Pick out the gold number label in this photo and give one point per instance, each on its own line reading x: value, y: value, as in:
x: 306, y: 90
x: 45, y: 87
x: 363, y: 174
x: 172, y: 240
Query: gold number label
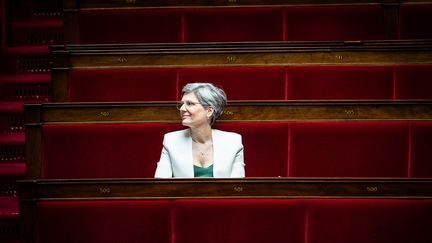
x: 372, y: 188
x: 231, y: 58
x: 350, y: 112
x: 104, y: 113
x: 122, y: 60
x: 104, y: 190
x: 228, y: 113
x: 339, y: 57
x: 238, y: 188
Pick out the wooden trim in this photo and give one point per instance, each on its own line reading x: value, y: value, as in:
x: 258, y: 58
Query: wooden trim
x: 28, y: 221
x: 236, y: 111
x: 96, y: 189
x: 33, y: 133
x: 71, y: 25
x: 242, y: 54
x: 60, y: 77
x: 33, y: 151
x: 89, y: 4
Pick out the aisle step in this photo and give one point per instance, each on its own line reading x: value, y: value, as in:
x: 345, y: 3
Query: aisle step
x: 37, y: 31
x: 26, y: 87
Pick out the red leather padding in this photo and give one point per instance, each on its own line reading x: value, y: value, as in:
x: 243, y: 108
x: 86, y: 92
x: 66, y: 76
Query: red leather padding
x: 340, y: 82
x: 414, y: 21
x: 103, y: 221
x: 233, y: 24
x: 265, y: 147
x: 234, y: 221
x: 413, y: 81
x: 368, y: 220
x: 129, y: 84
x: 101, y: 150
x: 348, y: 149
x: 118, y: 26
x: 421, y: 144
x: 240, y: 83
x: 334, y: 22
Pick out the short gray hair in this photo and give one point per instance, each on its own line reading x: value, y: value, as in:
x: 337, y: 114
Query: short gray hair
x: 209, y: 96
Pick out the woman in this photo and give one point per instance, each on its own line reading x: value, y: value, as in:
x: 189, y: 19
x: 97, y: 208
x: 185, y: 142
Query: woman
x: 201, y: 151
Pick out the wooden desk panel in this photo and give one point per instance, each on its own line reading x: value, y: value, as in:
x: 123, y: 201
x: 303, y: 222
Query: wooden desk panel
x: 236, y: 111
x: 31, y: 190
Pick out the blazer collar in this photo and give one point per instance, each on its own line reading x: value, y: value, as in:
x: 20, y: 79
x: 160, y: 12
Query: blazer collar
x: 216, y: 148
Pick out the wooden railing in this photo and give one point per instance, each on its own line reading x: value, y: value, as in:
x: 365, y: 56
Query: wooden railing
x: 236, y: 111
x: 191, y: 3
x: 33, y: 190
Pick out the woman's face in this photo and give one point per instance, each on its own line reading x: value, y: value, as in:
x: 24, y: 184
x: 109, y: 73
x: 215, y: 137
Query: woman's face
x: 192, y: 113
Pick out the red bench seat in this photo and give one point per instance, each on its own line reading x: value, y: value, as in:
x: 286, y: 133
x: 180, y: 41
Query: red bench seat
x: 294, y: 149
x: 235, y: 220
x: 328, y: 82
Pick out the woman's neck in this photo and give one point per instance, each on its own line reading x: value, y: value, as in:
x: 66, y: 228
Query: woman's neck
x: 202, y: 134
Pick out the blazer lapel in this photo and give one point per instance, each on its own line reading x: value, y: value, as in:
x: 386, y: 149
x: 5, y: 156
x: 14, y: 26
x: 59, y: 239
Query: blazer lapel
x: 217, y: 153
x: 189, y: 156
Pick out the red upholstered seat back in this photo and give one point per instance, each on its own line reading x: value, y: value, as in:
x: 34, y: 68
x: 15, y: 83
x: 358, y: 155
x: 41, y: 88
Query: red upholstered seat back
x: 236, y: 24
x: 325, y: 82
x: 235, y: 220
x: 104, y: 221
x: 420, y: 149
x: 233, y: 24
x: 413, y: 81
x: 128, y: 84
x: 101, y: 150
x: 130, y: 26
x: 271, y: 149
x: 368, y: 220
x: 414, y: 21
x: 240, y: 83
x: 350, y: 149
x: 333, y: 22
x: 265, y: 147
x: 340, y: 82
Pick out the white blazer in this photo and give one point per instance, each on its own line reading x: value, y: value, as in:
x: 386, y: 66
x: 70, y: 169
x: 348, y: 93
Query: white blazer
x: 177, y: 161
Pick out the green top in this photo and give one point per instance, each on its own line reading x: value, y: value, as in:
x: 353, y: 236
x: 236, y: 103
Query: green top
x: 203, y: 172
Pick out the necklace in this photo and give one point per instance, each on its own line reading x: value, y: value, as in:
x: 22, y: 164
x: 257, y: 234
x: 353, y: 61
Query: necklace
x: 202, y: 153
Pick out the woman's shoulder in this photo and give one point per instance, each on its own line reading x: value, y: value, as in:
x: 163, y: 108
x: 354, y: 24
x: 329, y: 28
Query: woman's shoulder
x: 177, y: 134
x: 221, y: 133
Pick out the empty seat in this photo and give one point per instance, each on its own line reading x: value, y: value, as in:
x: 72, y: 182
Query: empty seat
x: 128, y: 84
x: 368, y: 220
x: 421, y: 157
x: 104, y: 221
x: 101, y: 150
x: 233, y: 24
x: 334, y: 22
x: 414, y: 21
x: 129, y: 26
x: 350, y: 149
x: 340, y: 82
x: 236, y: 221
x: 240, y: 83
x: 413, y: 81
x: 265, y: 147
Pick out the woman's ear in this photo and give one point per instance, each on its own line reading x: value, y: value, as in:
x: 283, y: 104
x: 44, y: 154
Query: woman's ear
x: 210, y: 111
